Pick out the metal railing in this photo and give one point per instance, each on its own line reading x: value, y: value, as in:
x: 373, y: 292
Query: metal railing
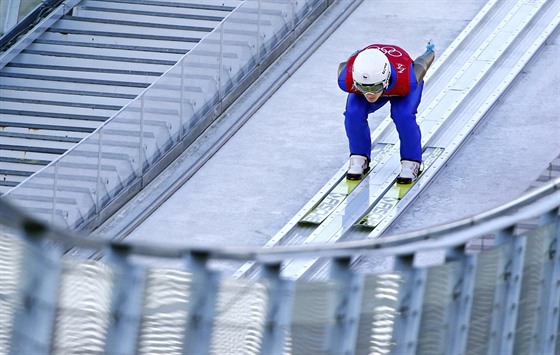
x: 17, y: 17
x: 503, y: 300
x: 13, y: 11
x: 90, y: 181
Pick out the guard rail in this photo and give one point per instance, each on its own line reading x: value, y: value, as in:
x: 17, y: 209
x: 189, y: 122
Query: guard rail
x: 503, y: 300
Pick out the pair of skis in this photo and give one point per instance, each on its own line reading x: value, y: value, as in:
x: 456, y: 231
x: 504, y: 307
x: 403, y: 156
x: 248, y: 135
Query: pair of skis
x: 385, y: 204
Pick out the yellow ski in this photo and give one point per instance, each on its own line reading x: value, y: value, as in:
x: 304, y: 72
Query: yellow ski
x: 395, y: 193
x: 344, y: 187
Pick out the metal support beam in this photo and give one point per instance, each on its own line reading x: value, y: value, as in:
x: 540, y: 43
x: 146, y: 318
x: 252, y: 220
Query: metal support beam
x: 506, y: 296
x: 280, y: 301
x: 549, y: 327
x: 35, y: 320
x: 514, y: 279
x: 203, y: 297
x: 407, y: 324
x: 462, y: 298
x: 126, y: 309
x: 344, y: 331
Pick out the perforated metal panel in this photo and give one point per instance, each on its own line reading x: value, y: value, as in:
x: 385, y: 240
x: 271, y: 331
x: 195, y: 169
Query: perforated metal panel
x: 164, y: 313
x: 311, y: 317
x: 83, y: 309
x: 240, y: 318
x: 434, y: 333
x: 488, y: 277
x: 378, y: 312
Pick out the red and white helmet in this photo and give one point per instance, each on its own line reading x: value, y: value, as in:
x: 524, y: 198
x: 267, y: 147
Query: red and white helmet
x: 371, y: 71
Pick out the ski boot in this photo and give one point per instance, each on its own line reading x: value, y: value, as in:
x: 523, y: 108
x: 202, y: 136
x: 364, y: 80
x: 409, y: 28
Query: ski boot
x: 359, y: 166
x: 409, y: 172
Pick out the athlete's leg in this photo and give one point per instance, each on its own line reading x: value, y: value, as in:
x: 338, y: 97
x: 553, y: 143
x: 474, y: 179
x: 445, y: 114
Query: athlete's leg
x: 403, y: 113
x: 356, y: 124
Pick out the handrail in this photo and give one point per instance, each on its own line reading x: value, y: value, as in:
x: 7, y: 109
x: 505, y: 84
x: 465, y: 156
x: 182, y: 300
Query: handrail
x: 30, y: 19
x: 446, y: 235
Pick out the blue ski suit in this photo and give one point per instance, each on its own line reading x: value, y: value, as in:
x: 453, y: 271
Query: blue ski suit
x: 404, y: 93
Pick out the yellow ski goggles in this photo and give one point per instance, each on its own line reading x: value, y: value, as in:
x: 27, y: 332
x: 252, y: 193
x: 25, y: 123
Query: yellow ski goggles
x: 369, y: 89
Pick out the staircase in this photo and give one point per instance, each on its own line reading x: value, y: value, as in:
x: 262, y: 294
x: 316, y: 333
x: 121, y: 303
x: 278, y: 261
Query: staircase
x: 84, y: 68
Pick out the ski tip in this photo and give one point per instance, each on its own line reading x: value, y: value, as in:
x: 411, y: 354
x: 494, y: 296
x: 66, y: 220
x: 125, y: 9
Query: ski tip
x: 430, y: 46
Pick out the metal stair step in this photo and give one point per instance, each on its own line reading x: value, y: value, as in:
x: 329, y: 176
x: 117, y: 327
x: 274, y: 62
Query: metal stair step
x: 124, y: 37
x: 71, y: 125
x: 34, y: 145
x: 113, y: 39
x: 103, y: 53
x: 99, y: 114
x: 125, y: 28
x: 9, y: 183
x: 78, y: 85
x: 33, y: 102
x: 19, y: 168
x: 13, y: 172
x: 26, y: 167
x: 47, y: 124
x: 129, y: 27
x: 36, y: 136
x: 78, y: 98
x: 46, y: 200
x: 43, y: 58
x: 109, y: 95
x: 42, y: 203
x: 114, y: 46
x: 207, y: 7
x: 8, y: 160
x: 51, y: 154
x: 13, y: 176
x: 143, y: 16
x: 7, y: 153
x: 5, y: 146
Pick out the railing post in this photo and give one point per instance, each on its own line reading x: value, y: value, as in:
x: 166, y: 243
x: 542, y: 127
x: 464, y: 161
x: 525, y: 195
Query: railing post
x: 343, y: 334
x: 462, y: 298
x: 127, y: 297
x: 506, y: 301
x: 221, y: 63
x: 549, y: 327
x: 34, y: 320
x: 141, y: 154
x: 407, y: 323
x: 259, y: 56
x: 181, y: 102
x: 55, y: 188
x: 279, y: 310
x: 293, y: 15
x: 202, y: 308
x: 98, y: 181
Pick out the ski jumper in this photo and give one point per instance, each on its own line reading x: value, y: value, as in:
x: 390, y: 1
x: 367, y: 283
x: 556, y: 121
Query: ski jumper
x: 404, y: 94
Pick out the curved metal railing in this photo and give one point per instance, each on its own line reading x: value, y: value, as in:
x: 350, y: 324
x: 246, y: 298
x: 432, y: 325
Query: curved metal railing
x: 14, y: 12
x: 434, y: 296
